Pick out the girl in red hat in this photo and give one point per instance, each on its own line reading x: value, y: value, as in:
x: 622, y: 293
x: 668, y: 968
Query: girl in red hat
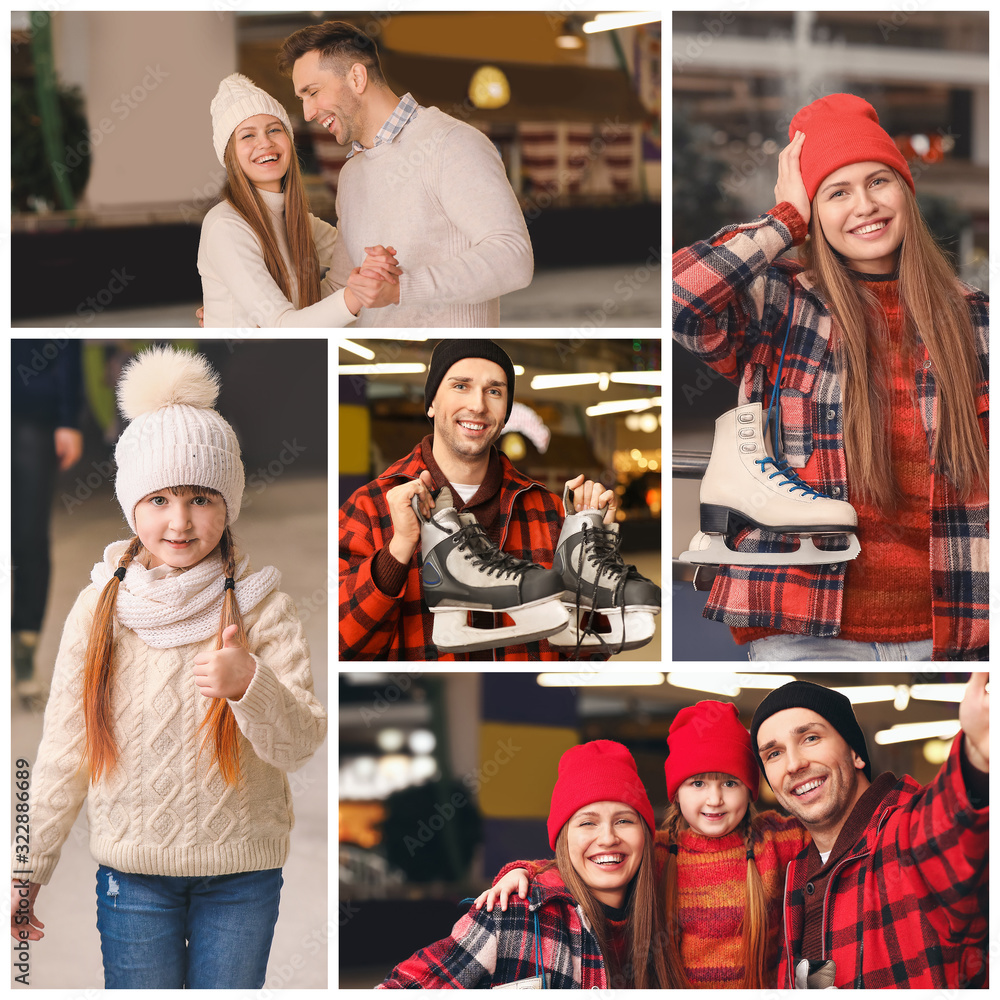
x: 591, y: 919
x: 879, y: 357
x: 721, y: 866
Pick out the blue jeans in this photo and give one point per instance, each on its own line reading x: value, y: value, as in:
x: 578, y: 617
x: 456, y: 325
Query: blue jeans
x: 167, y: 932
x: 809, y: 647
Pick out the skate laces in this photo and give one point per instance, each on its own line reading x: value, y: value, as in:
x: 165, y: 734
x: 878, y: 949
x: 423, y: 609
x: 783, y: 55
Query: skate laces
x: 472, y: 540
x: 602, y: 547
x: 791, y: 479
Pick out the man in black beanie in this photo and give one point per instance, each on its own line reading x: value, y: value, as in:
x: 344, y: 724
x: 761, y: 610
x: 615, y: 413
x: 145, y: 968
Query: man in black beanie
x: 468, y: 396
x: 892, y: 891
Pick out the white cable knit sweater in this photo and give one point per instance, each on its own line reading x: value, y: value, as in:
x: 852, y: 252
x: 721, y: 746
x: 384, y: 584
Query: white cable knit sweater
x: 237, y: 287
x: 163, y: 811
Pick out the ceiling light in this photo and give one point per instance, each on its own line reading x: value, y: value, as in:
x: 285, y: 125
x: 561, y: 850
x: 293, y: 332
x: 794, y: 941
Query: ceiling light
x: 938, y: 692
x: 622, y: 19
x: 383, y: 369
x: 638, y: 378
x: 623, y: 406
x: 361, y: 352
x: 943, y: 730
x: 564, y: 381
x: 725, y: 683
x: 866, y: 694
x: 602, y: 678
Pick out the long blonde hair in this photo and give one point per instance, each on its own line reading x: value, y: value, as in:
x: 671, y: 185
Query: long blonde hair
x: 647, y: 969
x: 935, y: 311
x: 245, y: 198
x: 754, y: 926
x: 221, y: 732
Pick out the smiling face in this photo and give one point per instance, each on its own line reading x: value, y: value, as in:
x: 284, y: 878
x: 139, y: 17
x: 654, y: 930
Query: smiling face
x: 263, y: 151
x: 329, y: 97
x: 179, y: 530
x: 605, y: 841
x: 713, y: 804
x: 862, y: 212
x: 470, y: 408
x: 815, y: 775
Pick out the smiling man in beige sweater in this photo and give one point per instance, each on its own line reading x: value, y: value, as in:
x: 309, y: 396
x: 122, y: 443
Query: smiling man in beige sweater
x: 429, y: 185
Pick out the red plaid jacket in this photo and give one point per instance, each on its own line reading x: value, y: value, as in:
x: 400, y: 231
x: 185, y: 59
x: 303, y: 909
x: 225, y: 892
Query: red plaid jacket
x: 907, y: 906
x: 377, y: 626
x: 491, y: 949
x: 731, y: 297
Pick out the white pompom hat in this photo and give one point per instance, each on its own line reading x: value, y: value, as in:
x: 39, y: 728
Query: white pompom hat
x: 175, y: 437
x: 238, y: 99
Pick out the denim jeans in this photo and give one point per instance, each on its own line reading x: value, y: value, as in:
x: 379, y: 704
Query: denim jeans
x: 167, y: 932
x: 808, y: 647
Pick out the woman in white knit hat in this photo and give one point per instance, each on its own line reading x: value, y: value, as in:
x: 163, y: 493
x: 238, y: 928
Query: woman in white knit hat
x: 262, y: 256
x: 181, y: 696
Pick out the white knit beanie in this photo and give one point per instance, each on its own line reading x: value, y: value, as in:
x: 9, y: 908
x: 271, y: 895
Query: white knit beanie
x: 175, y: 437
x: 238, y: 99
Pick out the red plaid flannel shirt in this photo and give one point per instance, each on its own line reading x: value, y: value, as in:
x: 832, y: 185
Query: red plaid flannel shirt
x: 377, y: 626
x: 730, y: 308
x: 491, y: 949
x: 908, y: 905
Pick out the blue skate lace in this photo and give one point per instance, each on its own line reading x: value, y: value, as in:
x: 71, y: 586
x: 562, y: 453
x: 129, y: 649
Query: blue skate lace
x: 781, y: 468
x: 601, y: 547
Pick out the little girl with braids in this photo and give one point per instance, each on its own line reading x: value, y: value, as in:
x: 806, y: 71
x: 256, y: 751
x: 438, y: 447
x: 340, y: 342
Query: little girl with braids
x: 721, y: 866
x: 181, y: 696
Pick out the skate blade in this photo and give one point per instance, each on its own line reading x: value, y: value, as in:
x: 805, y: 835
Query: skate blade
x: 454, y: 634
x: 639, y: 629
x: 712, y: 550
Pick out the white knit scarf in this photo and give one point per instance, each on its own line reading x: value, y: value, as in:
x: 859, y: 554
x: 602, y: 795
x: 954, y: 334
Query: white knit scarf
x: 168, y: 608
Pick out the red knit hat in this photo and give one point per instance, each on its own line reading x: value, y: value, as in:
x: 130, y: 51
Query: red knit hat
x: 709, y: 737
x: 842, y: 129
x: 599, y: 771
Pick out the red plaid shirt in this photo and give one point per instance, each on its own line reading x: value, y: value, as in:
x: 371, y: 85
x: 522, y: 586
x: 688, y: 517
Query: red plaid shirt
x: 907, y: 905
x: 378, y: 626
x: 492, y: 949
x: 731, y: 297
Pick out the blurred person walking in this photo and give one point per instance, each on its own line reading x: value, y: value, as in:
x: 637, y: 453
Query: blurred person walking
x: 46, y: 395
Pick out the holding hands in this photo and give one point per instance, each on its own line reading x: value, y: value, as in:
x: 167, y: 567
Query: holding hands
x: 375, y: 283
x: 790, y: 186
x: 226, y: 672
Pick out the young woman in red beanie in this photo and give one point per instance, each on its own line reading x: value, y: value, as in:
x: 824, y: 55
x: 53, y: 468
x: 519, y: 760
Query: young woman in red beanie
x: 883, y: 358
x: 591, y: 919
x: 721, y: 867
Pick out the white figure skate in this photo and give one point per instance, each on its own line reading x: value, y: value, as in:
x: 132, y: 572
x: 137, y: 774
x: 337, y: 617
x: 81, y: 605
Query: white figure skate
x: 462, y: 571
x: 744, y: 484
x: 597, y: 582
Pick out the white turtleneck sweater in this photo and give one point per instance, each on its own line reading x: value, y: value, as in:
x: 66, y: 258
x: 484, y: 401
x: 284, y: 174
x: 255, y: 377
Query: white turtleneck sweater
x: 165, y: 810
x: 237, y: 288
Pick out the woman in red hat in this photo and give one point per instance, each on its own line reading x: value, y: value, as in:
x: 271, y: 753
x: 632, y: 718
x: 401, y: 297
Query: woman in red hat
x: 883, y: 362
x: 591, y: 921
x: 721, y: 866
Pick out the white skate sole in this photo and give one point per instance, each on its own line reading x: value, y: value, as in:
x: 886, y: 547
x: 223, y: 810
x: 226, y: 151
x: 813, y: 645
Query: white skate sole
x: 711, y: 549
x: 453, y: 634
x: 638, y: 629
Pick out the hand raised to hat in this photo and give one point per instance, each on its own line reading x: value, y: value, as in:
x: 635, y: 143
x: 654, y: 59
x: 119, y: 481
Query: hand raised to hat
x: 790, y: 186
x: 974, y: 716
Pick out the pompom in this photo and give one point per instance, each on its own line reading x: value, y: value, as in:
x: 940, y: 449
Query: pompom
x: 163, y: 376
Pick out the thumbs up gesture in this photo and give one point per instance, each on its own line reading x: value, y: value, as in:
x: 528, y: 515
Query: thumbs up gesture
x: 226, y: 672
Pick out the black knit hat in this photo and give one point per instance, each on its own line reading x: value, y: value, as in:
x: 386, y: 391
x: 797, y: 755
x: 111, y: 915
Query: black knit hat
x: 832, y: 705
x: 447, y: 352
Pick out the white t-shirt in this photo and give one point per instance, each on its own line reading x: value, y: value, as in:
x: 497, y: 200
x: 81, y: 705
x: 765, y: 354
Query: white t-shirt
x: 465, y: 491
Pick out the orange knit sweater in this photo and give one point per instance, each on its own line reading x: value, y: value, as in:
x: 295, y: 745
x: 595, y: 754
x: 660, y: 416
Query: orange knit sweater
x: 711, y: 895
x: 887, y: 592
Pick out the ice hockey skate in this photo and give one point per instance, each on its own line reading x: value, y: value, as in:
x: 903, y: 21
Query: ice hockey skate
x: 462, y: 571
x: 745, y: 485
x: 598, y: 584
